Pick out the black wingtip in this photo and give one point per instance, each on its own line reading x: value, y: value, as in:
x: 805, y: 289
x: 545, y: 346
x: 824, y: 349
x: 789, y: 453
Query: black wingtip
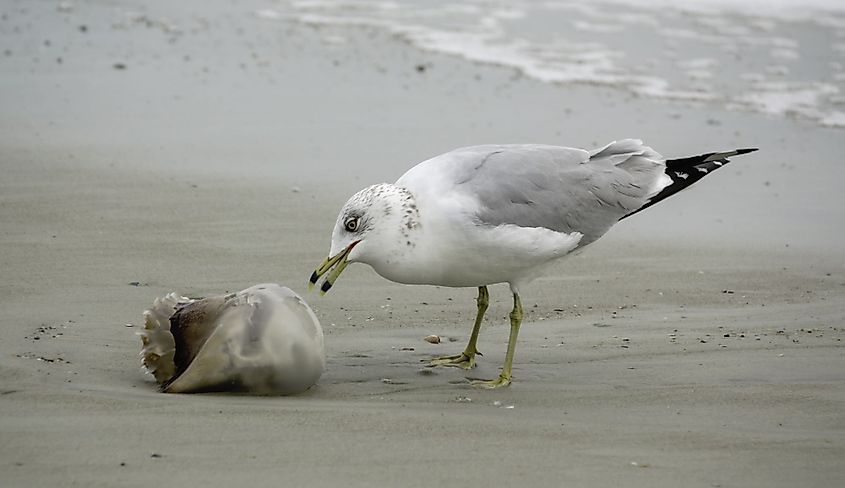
x: 326, y: 286
x: 686, y: 171
x: 314, y: 278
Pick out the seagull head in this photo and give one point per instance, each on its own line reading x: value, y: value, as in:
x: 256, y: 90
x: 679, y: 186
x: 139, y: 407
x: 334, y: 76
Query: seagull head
x: 367, y: 230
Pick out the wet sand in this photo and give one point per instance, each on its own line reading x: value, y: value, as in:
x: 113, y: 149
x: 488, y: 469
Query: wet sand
x: 698, y: 344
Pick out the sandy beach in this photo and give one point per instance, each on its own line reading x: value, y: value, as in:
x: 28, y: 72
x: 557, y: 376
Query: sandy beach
x: 177, y: 146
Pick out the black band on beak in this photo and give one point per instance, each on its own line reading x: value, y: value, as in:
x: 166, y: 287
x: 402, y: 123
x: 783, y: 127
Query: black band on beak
x: 338, y: 262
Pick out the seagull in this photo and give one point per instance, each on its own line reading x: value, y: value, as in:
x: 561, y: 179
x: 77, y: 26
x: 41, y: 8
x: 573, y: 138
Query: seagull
x: 488, y: 214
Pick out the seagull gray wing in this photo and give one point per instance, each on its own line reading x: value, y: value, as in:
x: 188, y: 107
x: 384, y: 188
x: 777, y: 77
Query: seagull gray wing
x: 558, y: 188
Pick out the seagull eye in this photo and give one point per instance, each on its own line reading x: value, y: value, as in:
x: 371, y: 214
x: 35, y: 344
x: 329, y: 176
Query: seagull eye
x: 351, y: 224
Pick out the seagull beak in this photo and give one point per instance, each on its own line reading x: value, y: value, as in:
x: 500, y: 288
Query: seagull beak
x: 338, y: 259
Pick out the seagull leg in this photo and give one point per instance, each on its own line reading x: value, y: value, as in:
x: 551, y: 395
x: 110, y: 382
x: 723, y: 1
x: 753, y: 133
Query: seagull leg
x: 504, y: 378
x: 466, y: 359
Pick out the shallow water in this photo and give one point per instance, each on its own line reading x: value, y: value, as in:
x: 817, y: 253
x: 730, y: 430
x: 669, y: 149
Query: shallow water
x: 782, y: 58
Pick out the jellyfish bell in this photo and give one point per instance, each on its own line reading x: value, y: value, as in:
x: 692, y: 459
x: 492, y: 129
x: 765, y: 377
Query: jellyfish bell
x: 262, y: 340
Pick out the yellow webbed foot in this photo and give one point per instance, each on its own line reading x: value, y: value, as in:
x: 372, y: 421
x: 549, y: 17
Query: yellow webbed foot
x: 463, y: 360
x: 499, y: 382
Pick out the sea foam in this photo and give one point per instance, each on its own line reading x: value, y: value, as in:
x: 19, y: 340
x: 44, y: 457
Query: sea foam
x: 712, y: 51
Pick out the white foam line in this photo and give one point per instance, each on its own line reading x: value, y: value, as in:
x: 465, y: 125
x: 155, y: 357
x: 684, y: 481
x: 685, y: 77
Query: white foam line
x: 484, y: 39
